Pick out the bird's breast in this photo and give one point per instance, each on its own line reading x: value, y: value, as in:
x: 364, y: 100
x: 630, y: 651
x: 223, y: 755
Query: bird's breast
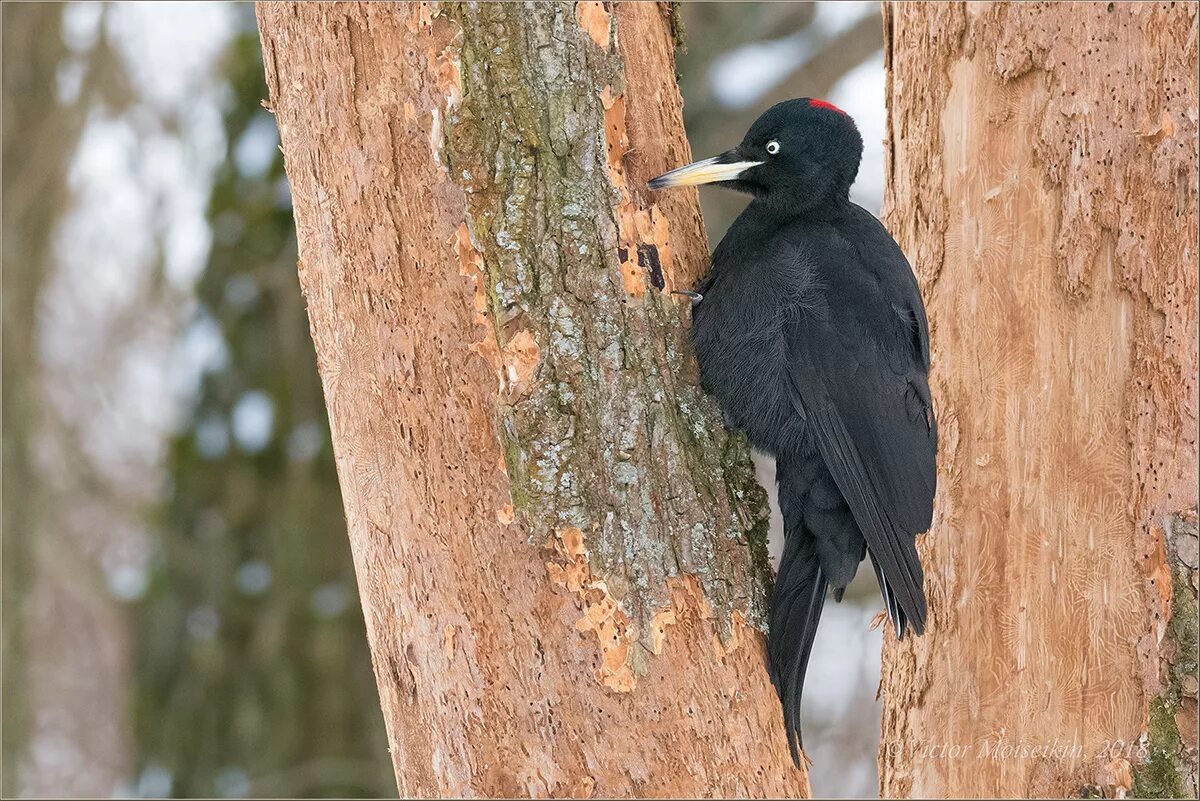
x: 740, y: 341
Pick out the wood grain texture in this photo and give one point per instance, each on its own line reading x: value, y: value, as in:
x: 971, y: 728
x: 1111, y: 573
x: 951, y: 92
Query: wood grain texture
x: 1042, y: 176
x: 553, y: 535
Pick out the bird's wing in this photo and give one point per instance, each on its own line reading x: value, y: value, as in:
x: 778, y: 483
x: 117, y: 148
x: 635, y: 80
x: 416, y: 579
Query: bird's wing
x: 867, y: 404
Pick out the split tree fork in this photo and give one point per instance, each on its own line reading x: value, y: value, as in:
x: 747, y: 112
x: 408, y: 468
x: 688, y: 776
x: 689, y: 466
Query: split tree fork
x: 1049, y: 208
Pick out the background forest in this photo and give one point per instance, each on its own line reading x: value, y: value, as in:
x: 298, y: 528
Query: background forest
x: 180, y: 612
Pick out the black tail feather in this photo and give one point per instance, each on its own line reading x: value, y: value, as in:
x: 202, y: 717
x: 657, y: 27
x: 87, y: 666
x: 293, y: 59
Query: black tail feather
x: 795, y: 612
x: 895, y: 611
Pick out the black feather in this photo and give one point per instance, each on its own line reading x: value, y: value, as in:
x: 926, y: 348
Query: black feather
x: 796, y: 606
x: 813, y: 338
x: 799, y: 339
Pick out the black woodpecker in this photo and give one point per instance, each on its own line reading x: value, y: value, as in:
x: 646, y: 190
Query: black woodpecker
x: 810, y: 333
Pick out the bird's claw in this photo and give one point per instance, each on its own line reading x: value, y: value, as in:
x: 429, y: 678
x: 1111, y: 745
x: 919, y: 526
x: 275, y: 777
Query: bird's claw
x: 695, y: 296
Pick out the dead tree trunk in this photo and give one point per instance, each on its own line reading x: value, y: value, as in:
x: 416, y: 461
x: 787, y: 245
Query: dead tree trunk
x: 1042, y: 176
x: 558, y: 547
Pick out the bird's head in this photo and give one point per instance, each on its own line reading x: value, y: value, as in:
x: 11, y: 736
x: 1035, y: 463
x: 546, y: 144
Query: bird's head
x: 801, y: 153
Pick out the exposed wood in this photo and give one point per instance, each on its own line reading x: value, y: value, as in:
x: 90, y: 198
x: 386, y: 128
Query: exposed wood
x: 1042, y: 178
x: 552, y: 532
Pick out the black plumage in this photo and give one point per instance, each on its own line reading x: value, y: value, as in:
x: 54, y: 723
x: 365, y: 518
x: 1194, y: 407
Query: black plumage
x: 811, y: 334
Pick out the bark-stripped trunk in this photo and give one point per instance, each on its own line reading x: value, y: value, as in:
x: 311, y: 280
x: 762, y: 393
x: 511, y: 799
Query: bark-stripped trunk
x: 558, y: 547
x: 1042, y: 178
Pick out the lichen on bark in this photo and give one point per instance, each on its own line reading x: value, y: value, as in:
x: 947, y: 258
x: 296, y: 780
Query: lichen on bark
x: 1169, y: 770
x: 448, y: 330
x: 612, y: 436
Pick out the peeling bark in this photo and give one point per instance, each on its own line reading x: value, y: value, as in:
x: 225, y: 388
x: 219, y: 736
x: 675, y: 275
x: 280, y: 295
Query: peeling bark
x: 1042, y: 175
x: 560, y: 551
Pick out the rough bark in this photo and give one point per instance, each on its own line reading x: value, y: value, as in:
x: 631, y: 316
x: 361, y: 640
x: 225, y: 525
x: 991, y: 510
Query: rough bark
x: 1042, y: 178
x: 552, y: 532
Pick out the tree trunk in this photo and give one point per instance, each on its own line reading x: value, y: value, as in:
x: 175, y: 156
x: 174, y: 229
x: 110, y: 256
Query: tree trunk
x: 561, y: 553
x: 1042, y: 178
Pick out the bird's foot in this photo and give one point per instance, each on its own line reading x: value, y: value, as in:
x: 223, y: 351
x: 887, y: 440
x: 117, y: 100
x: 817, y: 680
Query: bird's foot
x: 695, y: 296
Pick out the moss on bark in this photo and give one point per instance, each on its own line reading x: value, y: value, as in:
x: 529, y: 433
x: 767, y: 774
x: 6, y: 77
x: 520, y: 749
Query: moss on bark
x: 1169, y: 770
x: 612, y: 435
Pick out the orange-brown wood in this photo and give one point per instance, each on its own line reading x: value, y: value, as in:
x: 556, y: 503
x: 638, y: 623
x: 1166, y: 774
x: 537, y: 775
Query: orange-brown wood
x: 546, y: 518
x: 1042, y: 177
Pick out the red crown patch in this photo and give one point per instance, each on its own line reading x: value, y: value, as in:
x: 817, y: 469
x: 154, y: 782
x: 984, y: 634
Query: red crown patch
x: 814, y: 103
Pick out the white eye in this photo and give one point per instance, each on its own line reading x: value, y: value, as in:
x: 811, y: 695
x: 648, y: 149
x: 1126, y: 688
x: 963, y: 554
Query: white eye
x: 772, y: 147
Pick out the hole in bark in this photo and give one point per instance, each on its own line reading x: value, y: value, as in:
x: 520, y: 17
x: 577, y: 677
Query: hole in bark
x: 648, y: 259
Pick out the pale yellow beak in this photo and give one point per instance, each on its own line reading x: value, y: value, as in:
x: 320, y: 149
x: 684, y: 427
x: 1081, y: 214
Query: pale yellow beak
x: 709, y: 171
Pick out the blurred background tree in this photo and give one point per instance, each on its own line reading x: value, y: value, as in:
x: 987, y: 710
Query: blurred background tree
x: 180, y: 612
x: 39, y: 135
x: 253, y: 672
x: 57, y: 617
x: 182, y: 606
